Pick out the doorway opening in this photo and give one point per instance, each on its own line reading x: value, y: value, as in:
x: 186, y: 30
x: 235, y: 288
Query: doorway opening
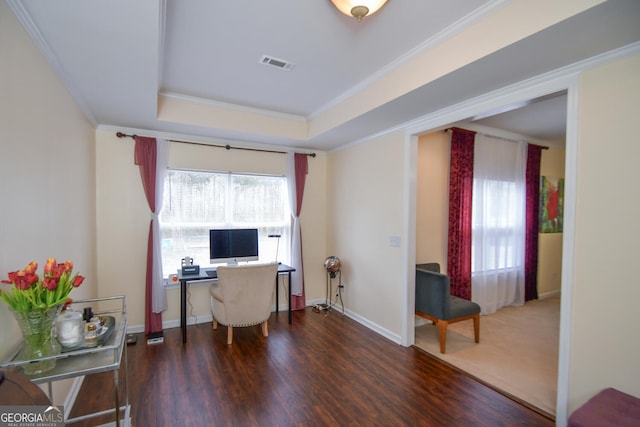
x: 507, y: 122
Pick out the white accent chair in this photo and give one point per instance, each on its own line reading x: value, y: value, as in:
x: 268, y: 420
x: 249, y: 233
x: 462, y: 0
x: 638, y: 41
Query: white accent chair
x: 243, y: 296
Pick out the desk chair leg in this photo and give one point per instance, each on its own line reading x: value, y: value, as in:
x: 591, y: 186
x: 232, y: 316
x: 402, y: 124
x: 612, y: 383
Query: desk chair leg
x: 476, y: 327
x: 265, y: 328
x: 229, y: 334
x: 442, y: 324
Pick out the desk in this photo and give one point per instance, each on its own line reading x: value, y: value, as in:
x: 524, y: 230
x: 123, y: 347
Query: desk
x: 282, y: 269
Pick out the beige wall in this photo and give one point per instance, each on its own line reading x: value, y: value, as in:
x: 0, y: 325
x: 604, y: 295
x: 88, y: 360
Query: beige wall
x: 364, y: 211
x: 123, y: 220
x: 432, y: 198
x: 46, y: 173
x: 605, y: 348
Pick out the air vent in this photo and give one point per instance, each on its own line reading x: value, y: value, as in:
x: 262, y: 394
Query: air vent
x: 278, y: 63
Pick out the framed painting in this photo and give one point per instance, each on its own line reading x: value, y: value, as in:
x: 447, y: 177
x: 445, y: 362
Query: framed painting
x: 551, y: 204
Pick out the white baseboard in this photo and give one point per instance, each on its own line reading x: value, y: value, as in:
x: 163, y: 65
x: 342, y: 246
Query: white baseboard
x: 549, y: 294
x: 363, y: 321
x: 422, y: 321
x: 191, y: 320
x: 282, y: 308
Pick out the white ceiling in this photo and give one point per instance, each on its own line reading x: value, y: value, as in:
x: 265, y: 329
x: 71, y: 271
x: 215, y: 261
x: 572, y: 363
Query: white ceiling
x: 118, y: 57
x: 543, y: 119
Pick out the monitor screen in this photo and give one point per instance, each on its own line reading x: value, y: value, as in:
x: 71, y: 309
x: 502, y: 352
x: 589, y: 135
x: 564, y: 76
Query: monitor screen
x: 233, y: 245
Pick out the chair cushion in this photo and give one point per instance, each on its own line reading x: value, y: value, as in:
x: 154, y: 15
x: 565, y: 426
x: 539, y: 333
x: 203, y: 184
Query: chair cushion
x: 610, y: 407
x: 459, y: 307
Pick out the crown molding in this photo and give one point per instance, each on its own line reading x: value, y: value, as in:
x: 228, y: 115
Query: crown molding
x: 162, y: 22
x: 233, y: 107
x: 18, y: 8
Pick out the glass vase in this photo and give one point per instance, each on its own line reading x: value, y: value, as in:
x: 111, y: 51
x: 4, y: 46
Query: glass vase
x: 39, y: 340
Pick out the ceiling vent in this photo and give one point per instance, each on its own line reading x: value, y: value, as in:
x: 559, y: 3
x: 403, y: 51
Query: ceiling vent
x: 278, y: 63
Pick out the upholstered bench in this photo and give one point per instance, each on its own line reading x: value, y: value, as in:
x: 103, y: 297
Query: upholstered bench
x: 609, y: 408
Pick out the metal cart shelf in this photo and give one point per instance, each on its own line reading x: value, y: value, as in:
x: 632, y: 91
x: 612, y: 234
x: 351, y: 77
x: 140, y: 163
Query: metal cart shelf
x: 85, y: 361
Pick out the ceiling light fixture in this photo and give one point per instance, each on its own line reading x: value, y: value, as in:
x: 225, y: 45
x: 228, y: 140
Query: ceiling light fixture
x: 358, y: 8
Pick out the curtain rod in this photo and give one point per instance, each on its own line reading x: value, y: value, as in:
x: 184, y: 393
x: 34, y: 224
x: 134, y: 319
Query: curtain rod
x: 228, y: 147
x: 544, y: 147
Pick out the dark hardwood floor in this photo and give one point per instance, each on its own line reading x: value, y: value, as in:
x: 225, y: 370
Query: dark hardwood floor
x: 319, y: 371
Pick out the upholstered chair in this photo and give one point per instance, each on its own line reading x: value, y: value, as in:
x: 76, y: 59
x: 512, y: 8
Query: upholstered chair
x: 435, y: 302
x: 243, y: 296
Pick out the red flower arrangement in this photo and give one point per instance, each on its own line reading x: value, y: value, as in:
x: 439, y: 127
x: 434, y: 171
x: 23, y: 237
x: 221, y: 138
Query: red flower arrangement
x: 32, y: 292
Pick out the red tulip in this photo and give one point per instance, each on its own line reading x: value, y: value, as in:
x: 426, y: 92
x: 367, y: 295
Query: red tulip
x: 59, y: 271
x: 34, y: 292
x: 50, y: 283
x: 67, y: 303
x: 50, y: 265
x: 32, y: 267
x: 77, y: 281
x: 22, y: 280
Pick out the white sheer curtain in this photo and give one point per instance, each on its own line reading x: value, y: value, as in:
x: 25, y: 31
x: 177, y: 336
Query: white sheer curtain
x: 159, y: 295
x: 296, y: 250
x: 499, y: 201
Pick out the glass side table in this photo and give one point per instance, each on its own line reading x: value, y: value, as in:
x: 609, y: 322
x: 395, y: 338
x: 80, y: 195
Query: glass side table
x: 106, y: 356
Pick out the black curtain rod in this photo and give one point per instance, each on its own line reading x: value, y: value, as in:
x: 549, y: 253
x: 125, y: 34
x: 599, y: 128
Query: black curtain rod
x: 544, y: 147
x: 228, y: 147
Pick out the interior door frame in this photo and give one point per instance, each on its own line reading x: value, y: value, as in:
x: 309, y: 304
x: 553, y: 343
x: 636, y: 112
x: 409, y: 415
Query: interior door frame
x: 564, y: 79
x: 524, y: 91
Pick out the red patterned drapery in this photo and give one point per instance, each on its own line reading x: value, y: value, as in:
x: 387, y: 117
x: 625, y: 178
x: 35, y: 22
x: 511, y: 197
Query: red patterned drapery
x: 297, y: 169
x: 534, y: 154
x: 460, y: 202
x: 302, y: 169
x: 145, y: 154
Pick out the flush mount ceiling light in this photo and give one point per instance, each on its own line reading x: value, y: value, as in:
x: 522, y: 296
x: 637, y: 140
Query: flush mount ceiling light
x: 358, y: 8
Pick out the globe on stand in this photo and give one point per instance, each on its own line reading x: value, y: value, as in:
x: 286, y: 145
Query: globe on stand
x: 332, y: 264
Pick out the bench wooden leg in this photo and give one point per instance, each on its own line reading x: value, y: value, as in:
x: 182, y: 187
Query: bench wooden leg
x: 229, y: 334
x: 265, y: 329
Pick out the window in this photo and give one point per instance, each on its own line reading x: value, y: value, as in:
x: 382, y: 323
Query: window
x: 496, y: 220
x: 195, y: 202
x: 499, y: 200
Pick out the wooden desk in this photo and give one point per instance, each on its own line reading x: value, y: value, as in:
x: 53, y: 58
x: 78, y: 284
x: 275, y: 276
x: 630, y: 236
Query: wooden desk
x: 203, y: 275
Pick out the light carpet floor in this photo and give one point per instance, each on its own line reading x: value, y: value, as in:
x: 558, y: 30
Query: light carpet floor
x: 517, y: 353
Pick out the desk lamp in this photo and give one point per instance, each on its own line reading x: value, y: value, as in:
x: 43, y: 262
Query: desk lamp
x: 277, y: 244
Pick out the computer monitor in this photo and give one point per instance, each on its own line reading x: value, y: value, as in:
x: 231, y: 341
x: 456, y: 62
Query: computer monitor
x: 233, y: 245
